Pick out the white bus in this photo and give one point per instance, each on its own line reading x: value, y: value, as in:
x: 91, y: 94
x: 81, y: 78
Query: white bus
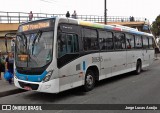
x: 57, y: 54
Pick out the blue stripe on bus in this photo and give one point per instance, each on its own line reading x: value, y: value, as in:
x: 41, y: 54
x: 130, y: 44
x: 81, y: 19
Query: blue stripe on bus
x: 84, y: 65
x: 108, y: 27
x: 31, y: 78
x: 136, y: 32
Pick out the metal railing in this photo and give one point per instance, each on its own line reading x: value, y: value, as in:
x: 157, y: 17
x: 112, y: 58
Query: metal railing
x: 19, y: 17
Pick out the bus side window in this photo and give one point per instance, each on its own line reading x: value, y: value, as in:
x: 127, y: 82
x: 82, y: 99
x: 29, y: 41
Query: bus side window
x: 105, y: 40
x: 145, y: 42
x: 151, y: 44
x: 90, y: 39
x: 62, y: 50
x: 138, y: 42
x: 129, y: 41
x: 119, y: 41
x: 67, y: 44
x: 75, y: 43
x: 72, y: 43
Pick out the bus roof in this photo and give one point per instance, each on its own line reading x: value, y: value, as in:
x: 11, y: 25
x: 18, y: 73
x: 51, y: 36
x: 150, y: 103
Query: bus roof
x: 42, y: 19
x: 114, y: 27
x: 103, y: 26
x: 95, y: 25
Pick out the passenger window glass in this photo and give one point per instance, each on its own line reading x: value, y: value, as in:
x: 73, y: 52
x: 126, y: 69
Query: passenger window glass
x: 138, y: 42
x: 62, y: 49
x: 145, y: 42
x: 119, y: 41
x: 72, y: 43
x: 105, y: 40
x: 90, y: 39
x: 150, y: 42
x: 129, y: 41
x: 67, y: 44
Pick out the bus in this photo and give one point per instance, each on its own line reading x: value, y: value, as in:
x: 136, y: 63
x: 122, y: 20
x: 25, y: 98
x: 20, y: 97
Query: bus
x: 56, y: 54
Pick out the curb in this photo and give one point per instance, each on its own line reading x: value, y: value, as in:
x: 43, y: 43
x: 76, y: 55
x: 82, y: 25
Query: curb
x: 156, y: 58
x: 11, y: 92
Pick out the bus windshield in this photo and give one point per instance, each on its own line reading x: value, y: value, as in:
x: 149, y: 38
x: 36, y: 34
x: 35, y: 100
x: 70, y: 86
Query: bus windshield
x: 34, y: 50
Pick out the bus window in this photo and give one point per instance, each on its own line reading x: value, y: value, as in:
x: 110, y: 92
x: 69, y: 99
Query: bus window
x: 119, y: 41
x: 129, y: 41
x: 90, y: 39
x: 72, y: 43
x: 145, y: 42
x: 105, y: 40
x: 150, y: 42
x: 138, y: 42
x: 67, y: 44
x: 62, y: 49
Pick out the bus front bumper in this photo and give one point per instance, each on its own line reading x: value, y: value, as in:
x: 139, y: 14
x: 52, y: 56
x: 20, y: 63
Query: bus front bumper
x: 51, y: 86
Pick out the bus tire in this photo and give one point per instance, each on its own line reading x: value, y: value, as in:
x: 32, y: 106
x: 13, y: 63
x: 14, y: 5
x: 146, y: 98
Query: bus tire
x: 89, y: 82
x: 138, y: 67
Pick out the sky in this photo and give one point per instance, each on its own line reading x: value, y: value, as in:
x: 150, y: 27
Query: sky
x: 149, y: 9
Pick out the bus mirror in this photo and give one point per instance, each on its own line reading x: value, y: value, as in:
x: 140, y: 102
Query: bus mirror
x: 145, y: 28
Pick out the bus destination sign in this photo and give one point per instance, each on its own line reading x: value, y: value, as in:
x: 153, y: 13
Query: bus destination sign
x: 35, y: 26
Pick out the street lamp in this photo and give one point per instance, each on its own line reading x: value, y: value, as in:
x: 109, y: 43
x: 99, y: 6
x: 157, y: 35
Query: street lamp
x: 105, y: 11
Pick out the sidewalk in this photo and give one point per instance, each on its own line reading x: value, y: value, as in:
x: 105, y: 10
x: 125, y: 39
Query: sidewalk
x: 8, y: 89
x: 157, y: 56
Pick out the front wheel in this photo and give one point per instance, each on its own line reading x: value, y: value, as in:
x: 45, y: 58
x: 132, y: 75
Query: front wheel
x: 89, y: 81
x: 138, y: 67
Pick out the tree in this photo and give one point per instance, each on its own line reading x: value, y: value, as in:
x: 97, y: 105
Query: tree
x: 156, y: 27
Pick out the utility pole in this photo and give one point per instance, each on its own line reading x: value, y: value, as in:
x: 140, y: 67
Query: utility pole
x: 105, y: 11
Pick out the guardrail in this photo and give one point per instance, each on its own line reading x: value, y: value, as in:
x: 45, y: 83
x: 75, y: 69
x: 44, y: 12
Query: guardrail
x: 19, y: 17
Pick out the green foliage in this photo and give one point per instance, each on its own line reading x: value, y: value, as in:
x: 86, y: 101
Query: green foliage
x: 156, y: 26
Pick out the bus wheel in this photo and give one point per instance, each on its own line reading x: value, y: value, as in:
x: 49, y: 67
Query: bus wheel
x: 89, y: 81
x: 138, y: 67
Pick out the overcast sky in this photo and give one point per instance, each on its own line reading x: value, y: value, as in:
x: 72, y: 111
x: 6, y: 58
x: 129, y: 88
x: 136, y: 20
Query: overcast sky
x: 149, y: 9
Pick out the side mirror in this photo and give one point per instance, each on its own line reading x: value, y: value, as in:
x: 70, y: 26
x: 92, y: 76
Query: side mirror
x: 145, y: 28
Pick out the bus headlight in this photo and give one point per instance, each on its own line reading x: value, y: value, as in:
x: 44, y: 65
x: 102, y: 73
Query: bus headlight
x: 48, y: 76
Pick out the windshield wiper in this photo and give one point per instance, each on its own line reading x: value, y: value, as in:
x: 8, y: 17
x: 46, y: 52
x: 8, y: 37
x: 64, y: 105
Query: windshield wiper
x: 26, y: 46
x: 38, y: 36
x: 25, y: 40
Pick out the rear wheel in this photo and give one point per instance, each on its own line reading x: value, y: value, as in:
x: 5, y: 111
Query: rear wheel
x: 89, y: 81
x: 138, y: 67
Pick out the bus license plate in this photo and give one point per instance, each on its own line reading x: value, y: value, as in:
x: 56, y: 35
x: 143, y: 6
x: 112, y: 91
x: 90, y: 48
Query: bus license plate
x: 27, y: 88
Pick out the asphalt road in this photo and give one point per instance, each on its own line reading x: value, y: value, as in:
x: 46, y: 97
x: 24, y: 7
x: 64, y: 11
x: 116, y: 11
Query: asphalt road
x: 124, y: 89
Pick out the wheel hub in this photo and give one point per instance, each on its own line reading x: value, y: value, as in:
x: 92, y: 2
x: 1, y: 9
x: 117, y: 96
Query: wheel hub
x: 89, y: 80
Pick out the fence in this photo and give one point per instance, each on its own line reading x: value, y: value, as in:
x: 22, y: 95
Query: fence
x: 19, y: 17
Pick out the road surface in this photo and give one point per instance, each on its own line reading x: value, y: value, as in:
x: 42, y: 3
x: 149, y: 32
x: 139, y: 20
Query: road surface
x: 124, y: 89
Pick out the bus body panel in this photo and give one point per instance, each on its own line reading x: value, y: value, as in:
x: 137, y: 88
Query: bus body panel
x: 72, y: 74
x: 119, y: 63
x: 151, y: 56
x: 106, y: 65
x: 145, y: 56
x: 130, y: 57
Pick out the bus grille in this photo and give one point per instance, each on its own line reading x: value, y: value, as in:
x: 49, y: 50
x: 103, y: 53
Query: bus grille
x: 33, y: 86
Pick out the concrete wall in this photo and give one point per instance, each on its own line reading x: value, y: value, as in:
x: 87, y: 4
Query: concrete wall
x: 2, y: 45
x: 8, y: 27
